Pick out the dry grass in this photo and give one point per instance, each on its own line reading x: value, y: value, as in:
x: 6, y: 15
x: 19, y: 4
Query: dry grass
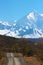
x: 32, y: 61
x: 2, y: 61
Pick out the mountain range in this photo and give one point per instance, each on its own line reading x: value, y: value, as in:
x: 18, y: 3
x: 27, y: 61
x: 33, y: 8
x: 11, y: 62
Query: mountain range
x: 30, y: 26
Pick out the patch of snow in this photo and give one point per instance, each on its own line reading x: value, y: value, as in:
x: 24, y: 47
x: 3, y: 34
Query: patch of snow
x: 6, y: 23
x: 5, y: 31
x: 0, y: 21
x: 27, y: 27
x: 31, y: 16
x: 38, y: 31
x: 14, y: 24
x: 12, y: 34
x: 29, y: 24
x: 41, y: 14
x: 16, y: 32
x: 32, y: 36
x: 24, y: 30
x: 20, y: 29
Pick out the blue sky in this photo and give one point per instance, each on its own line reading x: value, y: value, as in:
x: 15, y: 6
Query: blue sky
x: 16, y: 9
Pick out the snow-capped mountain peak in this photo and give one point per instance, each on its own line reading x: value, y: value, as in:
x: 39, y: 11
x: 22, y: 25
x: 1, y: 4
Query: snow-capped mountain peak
x: 30, y: 26
x: 32, y: 15
x: 4, y: 23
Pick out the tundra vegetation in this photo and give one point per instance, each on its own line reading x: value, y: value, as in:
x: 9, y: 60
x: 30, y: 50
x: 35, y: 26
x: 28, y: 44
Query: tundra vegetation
x: 25, y: 47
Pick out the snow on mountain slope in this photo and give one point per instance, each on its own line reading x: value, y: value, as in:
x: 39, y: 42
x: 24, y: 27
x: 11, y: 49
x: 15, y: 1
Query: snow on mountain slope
x: 3, y: 32
x: 30, y: 26
x: 32, y: 16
